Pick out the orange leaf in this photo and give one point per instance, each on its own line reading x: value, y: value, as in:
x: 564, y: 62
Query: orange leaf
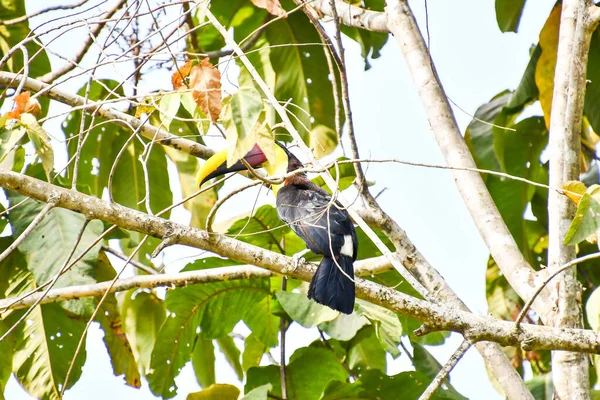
x: 205, y: 81
x: 180, y: 75
x: 23, y: 104
x: 272, y: 6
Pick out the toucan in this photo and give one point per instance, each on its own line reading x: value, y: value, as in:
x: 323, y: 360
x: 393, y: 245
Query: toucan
x: 321, y: 222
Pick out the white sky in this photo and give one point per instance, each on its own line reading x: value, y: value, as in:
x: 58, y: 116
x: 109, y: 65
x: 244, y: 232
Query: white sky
x: 475, y: 61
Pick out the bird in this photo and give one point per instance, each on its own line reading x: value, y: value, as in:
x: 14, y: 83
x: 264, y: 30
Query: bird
x: 320, y: 221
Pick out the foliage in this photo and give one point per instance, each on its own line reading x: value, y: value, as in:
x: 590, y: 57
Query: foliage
x: 149, y: 335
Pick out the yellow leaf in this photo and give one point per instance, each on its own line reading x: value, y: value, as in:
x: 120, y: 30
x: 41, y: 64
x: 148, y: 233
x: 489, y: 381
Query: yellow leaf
x: 544, y: 70
x: 574, y: 190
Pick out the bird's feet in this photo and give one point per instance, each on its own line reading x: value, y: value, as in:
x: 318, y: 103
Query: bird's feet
x: 298, y: 259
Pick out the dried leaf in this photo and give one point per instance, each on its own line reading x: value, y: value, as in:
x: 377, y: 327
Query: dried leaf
x: 272, y: 6
x: 179, y: 75
x: 205, y: 81
x: 24, y: 104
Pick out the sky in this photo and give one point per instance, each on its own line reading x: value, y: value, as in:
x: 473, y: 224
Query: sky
x: 475, y: 61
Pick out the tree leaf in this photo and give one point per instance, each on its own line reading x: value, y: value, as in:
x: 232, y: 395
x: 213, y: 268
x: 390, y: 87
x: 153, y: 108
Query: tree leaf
x: 302, y: 74
x: 205, y: 82
x: 272, y: 6
x: 9, y: 139
x: 203, y: 360
x: 212, y: 309
x: 218, y: 391
x: 142, y: 314
x: 115, y: 339
x: 591, y: 106
x: 253, y: 352
x: 260, y: 393
x: 178, y: 77
x: 232, y: 354
x: 370, y: 43
x: 508, y: 14
x: 41, y: 141
x: 344, y: 326
x: 47, y: 247
x: 347, y: 176
x: 24, y: 104
x: 373, y: 384
x: 386, y: 323
x: 544, y: 70
x: 168, y: 107
x: 263, y: 324
x: 527, y: 90
x: 366, y: 352
x: 586, y: 222
x: 304, y: 311
x: 577, y: 188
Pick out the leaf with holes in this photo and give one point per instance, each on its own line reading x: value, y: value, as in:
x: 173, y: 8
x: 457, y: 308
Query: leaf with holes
x: 211, y: 310
x: 205, y: 82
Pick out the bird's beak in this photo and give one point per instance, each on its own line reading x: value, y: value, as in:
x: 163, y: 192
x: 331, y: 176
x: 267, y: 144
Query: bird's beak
x: 217, y: 164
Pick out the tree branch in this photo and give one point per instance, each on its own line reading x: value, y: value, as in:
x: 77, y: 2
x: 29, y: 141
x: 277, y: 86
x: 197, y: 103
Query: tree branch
x: 450, y: 364
x: 435, y: 316
x: 89, y: 40
x: 354, y: 16
x: 488, y: 220
x: 40, y: 12
x: 569, y: 370
x: 148, y: 131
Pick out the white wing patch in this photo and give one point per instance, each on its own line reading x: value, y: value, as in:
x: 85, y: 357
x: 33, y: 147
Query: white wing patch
x: 348, y: 246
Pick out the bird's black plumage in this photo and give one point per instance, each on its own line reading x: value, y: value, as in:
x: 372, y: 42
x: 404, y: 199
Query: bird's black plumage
x: 327, y: 229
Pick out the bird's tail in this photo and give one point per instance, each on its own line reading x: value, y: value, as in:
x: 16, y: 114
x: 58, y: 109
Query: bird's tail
x: 331, y: 287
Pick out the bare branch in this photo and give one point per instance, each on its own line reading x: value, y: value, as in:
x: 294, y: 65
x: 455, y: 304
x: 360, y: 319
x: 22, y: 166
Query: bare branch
x: 89, y: 40
x: 40, y: 12
x: 354, y: 16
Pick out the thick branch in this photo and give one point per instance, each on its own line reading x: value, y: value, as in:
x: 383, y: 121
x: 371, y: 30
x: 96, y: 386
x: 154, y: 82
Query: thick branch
x: 353, y: 16
x: 488, y: 220
x: 158, y: 135
x: 569, y: 370
x: 435, y: 316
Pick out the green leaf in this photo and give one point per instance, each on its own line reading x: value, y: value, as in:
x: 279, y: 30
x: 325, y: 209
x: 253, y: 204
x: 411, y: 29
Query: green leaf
x: 115, y: 339
x: 218, y: 391
x: 41, y: 141
x: 541, y: 387
x: 42, y: 347
x: 527, y: 90
x: 263, y: 324
x: 97, y: 152
x: 587, y: 220
x: 432, y: 339
x: 9, y: 139
x: 591, y: 107
x: 302, y: 75
x: 370, y: 43
x: 260, y: 393
x: 347, y: 176
x: 212, y: 309
x: 373, y: 384
x: 366, y: 352
x: 304, y: 311
x: 168, y: 107
x: 261, y: 376
x: 345, y: 326
x: 503, y: 302
x: 48, y: 246
x: 203, y: 361
x: 253, y: 352
x: 429, y: 366
x: 508, y: 14
x: 386, y: 323
x: 592, y: 310
x: 232, y: 354
x: 142, y: 313
x: 246, y: 106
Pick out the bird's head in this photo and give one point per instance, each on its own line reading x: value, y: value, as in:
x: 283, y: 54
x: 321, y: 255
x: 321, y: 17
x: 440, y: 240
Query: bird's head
x: 216, y: 165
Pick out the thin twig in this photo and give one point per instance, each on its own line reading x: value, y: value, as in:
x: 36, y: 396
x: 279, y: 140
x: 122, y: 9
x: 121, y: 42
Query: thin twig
x: 123, y: 257
x: 40, y: 12
x: 541, y: 287
x: 443, y: 373
x: 213, y: 211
